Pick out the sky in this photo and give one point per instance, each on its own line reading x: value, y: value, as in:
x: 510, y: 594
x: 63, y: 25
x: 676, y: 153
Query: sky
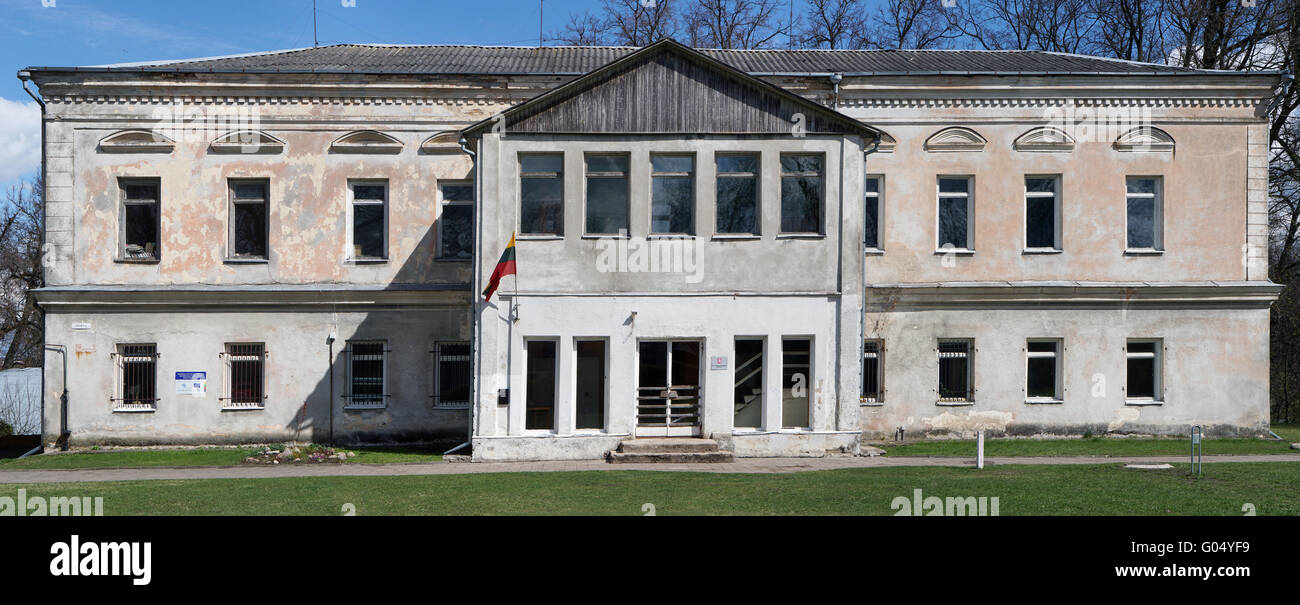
x: 97, y: 32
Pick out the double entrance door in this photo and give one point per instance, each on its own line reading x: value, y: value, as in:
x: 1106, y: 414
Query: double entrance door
x: 668, y: 388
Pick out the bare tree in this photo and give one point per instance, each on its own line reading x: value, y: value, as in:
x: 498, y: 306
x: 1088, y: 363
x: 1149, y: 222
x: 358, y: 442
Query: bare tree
x: 623, y: 23
x: 735, y: 23
x: 1050, y: 25
x: 1226, y: 34
x: 908, y: 24
x: 21, y: 239
x: 1133, y: 30
x: 20, y: 407
x: 834, y: 24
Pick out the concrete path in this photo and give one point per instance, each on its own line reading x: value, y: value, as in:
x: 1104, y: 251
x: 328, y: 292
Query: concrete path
x: 741, y: 465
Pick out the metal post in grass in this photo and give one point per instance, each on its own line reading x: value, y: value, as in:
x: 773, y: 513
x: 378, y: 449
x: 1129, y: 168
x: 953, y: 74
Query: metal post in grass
x: 1196, y: 450
x: 979, y: 449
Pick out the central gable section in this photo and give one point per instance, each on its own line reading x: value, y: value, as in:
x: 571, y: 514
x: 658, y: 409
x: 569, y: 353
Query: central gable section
x: 669, y: 88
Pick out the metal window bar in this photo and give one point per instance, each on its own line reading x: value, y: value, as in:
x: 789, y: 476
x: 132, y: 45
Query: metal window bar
x: 246, y: 368
x: 451, y: 374
x: 367, y: 367
x: 138, y: 366
x: 871, y: 364
x: 955, y: 373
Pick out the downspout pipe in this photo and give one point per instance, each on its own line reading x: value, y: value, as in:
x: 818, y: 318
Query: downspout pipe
x: 473, y: 304
x: 65, y: 433
x: 862, y: 300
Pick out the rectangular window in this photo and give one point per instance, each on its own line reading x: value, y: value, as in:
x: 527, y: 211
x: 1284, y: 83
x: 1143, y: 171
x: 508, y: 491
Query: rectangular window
x: 369, y: 219
x: 541, y: 194
x: 873, y: 371
x: 539, y: 390
x: 367, y: 374
x: 451, y: 374
x: 1144, y: 372
x: 956, y: 206
x: 589, y: 395
x: 796, y: 382
x: 672, y: 194
x: 872, y: 211
x: 737, y: 180
x: 1043, y: 370
x: 607, y: 194
x: 245, y: 376
x: 1042, y: 213
x: 1145, y: 213
x: 248, y: 218
x: 955, y: 371
x: 140, y: 222
x: 138, y: 378
x: 748, y: 383
x: 801, y: 193
x: 456, y: 220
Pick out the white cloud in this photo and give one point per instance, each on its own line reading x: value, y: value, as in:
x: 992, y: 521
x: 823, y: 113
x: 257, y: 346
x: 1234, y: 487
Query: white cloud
x: 20, y: 139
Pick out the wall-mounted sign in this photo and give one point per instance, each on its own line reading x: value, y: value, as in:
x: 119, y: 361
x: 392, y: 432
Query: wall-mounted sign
x: 81, y: 327
x: 192, y: 383
x: 718, y: 363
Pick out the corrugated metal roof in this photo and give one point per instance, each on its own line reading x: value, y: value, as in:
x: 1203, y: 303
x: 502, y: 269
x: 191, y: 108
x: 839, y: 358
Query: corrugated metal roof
x: 571, y: 60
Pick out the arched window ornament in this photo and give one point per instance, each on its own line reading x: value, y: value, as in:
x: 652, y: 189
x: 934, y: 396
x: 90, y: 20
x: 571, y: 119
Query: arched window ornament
x: 955, y: 138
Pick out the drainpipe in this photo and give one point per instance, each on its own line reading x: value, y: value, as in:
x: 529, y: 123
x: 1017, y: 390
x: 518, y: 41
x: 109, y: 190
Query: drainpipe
x: 329, y: 343
x: 64, y: 433
x: 862, y: 299
x: 835, y: 81
x: 473, y: 303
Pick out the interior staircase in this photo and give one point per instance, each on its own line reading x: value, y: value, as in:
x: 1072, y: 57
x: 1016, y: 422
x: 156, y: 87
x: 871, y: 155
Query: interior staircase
x: 669, y: 450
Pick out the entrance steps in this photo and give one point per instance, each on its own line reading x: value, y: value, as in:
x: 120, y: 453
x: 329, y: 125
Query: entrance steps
x: 668, y: 450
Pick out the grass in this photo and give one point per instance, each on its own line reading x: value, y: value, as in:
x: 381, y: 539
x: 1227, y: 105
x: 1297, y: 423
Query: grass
x: 1288, y: 432
x: 1021, y: 490
x: 1097, y: 446
x: 200, y: 457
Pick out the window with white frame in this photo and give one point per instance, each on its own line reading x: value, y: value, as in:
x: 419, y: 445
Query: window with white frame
x: 367, y: 374
x: 956, y: 211
x: 541, y: 362
x: 369, y: 232
x: 1043, y: 370
x: 137, y: 370
x: 140, y: 231
x: 956, y: 368
x: 672, y: 194
x: 873, y: 211
x: 801, y: 192
x: 456, y: 220
x: 245, y: 376
x: 1144, y: 213
x: 873, y: 371
x: 1143, y: 382
x: 541, y: 194
x: 607, y: 194
x: 248, y: 218
x: 1042, y: 213
x: 737, y: 193
x: 451, y: 374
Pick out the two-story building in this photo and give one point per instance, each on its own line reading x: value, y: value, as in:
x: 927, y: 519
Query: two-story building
x: 784, y: 251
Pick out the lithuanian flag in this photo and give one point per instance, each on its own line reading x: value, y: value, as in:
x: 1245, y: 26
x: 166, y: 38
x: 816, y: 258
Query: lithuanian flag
x: 505, y: 266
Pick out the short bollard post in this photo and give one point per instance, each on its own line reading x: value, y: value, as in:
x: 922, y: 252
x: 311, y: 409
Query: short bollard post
x: 1196, y: 450
x: 979, y: 449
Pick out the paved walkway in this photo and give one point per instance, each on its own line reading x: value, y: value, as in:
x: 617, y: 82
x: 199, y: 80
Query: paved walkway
x: 742, y: 465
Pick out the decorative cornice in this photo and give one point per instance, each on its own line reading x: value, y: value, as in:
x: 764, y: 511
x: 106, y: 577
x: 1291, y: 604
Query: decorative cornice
x: 325, y: 296
x: 76, y: 99
x: 1038, y: 102
x: 1070, y: 295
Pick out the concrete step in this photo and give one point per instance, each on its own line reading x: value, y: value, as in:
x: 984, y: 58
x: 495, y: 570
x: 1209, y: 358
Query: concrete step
x: 667, y: 445
x: 670, y: 457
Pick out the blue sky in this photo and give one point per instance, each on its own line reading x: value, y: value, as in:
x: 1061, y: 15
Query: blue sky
x: 97, y: 32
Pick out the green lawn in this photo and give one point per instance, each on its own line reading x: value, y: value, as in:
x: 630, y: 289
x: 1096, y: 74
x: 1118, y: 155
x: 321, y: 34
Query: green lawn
x: 199, y: 457
x: 1288, y: 432
x: 1096, y: 446
x: 1021, y: 490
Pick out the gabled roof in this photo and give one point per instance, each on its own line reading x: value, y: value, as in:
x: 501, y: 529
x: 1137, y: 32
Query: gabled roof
x: 576, y: 60
x: 668, y: 87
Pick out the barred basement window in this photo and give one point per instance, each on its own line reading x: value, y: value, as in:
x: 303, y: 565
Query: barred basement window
x: 451, y: 374
x: 801, y: 193
x: 139, y: 219
x: 737, y: 185
x: 955, y: 371
x: 137, y: 367
x: 367, y: 371
x: 245, y: 376
x: 873, y: 371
